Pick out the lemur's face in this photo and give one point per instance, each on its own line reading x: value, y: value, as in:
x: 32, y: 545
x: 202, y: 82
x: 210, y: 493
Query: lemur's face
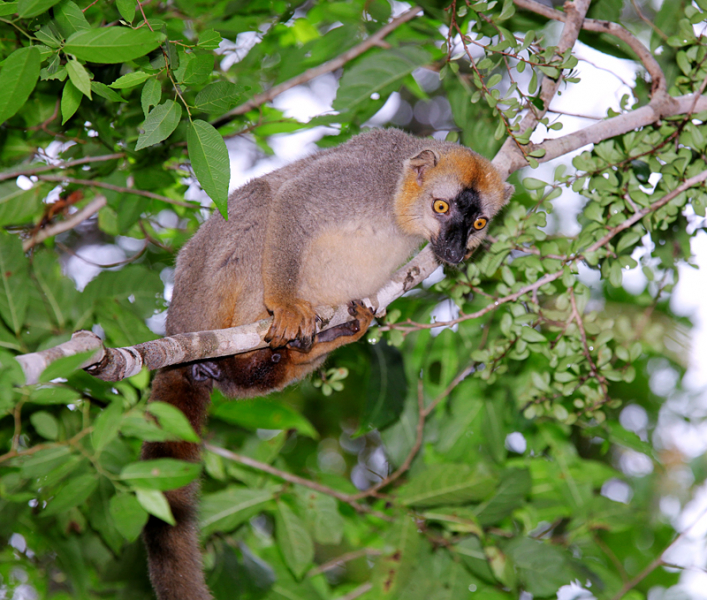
x: 461, y: 219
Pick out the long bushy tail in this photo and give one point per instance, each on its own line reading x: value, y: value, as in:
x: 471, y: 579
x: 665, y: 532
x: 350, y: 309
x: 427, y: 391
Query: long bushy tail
x: 173, y: 552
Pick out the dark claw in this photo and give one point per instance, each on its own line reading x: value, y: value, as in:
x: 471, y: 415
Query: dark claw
x: 205, y: 370
x: 303, y: 344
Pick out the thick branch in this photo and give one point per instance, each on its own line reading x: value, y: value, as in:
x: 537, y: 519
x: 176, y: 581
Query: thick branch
x: 327, y: 67
x: 114, y: 364
x: 78, y: 217
x: 658, y: 108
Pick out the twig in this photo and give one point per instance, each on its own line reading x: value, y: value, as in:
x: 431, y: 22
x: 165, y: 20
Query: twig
x: 12, y: 174
x: 312, y: 485
x: 419, y: 436
x: 335, y: 562
x: 613, y: 29
x: 39, y: 447
x: 326, y: 67
x: 577, y: 318
x: 650, y: 23
x: 550, y: 277
x: 357, y: 592
x: 115, y: 188
x: 78, y: 217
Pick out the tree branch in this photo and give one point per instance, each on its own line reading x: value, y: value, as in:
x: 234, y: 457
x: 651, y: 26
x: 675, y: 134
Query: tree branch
x: 115, y: 188
x: 69, y: 223
x: 13, y: 173
x: 598, y: 26
x: 114, y: 364
x: 312, y: 485
x: 510, y: 153
x: 326, y: 67
x: 661, y: 106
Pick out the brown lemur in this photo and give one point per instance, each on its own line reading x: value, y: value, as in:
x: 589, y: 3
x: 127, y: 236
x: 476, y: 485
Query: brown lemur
x: 329, y: 229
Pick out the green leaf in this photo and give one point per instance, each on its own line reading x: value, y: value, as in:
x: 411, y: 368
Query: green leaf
x: 264, y: 414
x: 106, y: 425
x: 531, y: 335
x: 225, y: 510
x: 151, y: 95
x: 32, y: 8
x: 75, y: 492
x: 160, y: 474
x: 386, y: 388
x: 70, y: 101
x: 18, y: 77
x: 14, y: 282
x: 155, y: 503
x: 44, y: 462
x: 126, y: 8
x: 18, y: 205
x: 294, y: 540
x: 321, y: 513
x: 173, y: 420
x: 209, y: 159
x: 102, y: 90
x: 394, y: 568
x: 514, y: 486
x: 65, y: 365
x: 45, y: 424
x: 130, y: 80
x: 209, y: 40
x: 79, y: 77
x: 70, y: 18
x: 448, y: 484
x: 198, y: 69
x: 376, y: 73
x: 53, y: 394
x: 111, y: 45
x: 8, y: 8
x: 542, y: 567
x: 128, y: 515
x: 219, y: 97
x: 159, y: 124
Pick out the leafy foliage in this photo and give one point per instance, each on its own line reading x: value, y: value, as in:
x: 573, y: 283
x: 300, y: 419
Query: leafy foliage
x: 487, y: 446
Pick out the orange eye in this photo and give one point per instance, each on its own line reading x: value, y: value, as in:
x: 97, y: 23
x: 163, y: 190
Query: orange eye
x: 480, y: 223
x: 440, y: 206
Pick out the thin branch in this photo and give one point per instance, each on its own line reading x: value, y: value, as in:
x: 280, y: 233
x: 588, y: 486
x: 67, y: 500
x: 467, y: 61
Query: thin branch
x: 115, y: 188
x: 339, y: 560
x: 78, y: 217
x: 419, y: 436
x: 685, y: 185
x: 613, y: 29
x: 550, y: 277
x: 357, y: 592
x: 577, y: 318
x: 650, y: 23
x: 312, y: 485
x: 14, y: 173
x: 327, y: 67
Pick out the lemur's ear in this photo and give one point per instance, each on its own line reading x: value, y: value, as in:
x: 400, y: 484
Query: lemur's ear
x: 427, y: 159
x: 508, y: 190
